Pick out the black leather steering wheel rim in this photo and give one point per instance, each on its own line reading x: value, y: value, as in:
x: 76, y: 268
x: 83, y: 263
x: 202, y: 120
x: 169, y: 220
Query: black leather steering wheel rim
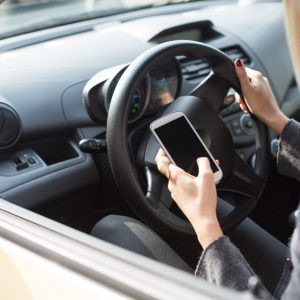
x: 123, y: 168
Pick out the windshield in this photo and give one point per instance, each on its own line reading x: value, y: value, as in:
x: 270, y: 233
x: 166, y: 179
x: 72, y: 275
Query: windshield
x: 21, y: 16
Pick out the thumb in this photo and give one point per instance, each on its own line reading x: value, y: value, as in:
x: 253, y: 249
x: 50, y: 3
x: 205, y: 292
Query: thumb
x: 204, y: 166
x: 241, y: 73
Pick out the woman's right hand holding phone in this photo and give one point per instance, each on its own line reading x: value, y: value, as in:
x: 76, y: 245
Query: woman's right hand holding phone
x: 195, y: 196
x: 260, y: 98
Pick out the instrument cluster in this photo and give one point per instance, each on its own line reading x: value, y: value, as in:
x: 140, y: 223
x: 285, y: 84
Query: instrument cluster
x: 159, y: 88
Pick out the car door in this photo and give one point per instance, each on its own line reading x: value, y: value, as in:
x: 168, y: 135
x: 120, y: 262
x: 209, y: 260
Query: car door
x: 43, y: 259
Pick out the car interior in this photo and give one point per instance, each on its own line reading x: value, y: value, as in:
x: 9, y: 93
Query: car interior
x: 77, y: 100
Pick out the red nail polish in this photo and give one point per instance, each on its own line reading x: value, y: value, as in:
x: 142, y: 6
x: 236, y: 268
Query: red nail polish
x: 239, y: 63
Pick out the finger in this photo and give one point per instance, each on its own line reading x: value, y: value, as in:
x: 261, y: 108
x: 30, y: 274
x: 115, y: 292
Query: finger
x: 241, y: 73
x: 244, y: 108
x: 218, y: 162
x: 160, y: 154
x: 163, y: 167
x: 176, y: 174
x: 162, y: 162
x: 238, y: 98
x: 204, y: 166
x: 252, y: 74
x: 241, y: 103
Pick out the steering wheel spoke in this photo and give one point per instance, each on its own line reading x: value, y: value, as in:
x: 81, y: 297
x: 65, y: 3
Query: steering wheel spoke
x: 213, y: 90
x: 157, y: 189
x: 243, y: 180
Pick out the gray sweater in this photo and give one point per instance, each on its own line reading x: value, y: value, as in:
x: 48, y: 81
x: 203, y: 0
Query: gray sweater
x: 223, y: 264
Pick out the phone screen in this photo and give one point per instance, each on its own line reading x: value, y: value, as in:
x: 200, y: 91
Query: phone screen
x: 183, y: 145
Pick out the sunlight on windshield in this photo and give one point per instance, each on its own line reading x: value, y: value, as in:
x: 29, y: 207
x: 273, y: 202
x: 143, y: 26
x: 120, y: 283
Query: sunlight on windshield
x: 20, y: 16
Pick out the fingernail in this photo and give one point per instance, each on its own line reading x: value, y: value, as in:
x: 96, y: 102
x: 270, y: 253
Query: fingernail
x: 239, y: 63
x: 201, y: 158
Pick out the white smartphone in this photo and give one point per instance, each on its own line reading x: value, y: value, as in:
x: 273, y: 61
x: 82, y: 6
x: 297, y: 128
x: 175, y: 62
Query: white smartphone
x: 181, y: 142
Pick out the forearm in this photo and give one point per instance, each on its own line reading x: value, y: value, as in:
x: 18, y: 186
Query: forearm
x: 207, y: 231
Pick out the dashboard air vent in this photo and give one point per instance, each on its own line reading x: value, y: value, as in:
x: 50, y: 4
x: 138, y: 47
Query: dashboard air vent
x: 235, y: 52
x: 10, y: 126
x: 195, y: 70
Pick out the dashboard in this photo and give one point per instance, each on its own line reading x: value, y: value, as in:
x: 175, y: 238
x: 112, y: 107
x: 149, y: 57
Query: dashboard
x: 58, y: 85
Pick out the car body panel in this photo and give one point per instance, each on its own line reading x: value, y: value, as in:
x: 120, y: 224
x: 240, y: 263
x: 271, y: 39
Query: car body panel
x: 28, y: 276
x: 73, y: 262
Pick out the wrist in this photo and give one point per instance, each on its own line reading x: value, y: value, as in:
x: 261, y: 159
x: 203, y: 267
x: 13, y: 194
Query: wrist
x: 208, y: 230
x: 278, y: 122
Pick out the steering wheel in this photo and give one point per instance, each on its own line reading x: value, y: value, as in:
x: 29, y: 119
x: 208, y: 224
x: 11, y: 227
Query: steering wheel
x: 153, y: 203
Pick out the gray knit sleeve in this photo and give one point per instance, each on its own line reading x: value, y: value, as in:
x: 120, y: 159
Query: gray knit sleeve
x: 223, y: 264
x: 288, y: 157
x: 288, y: 162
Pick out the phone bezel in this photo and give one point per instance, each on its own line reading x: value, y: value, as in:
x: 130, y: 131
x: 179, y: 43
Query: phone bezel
x: 171, y: 117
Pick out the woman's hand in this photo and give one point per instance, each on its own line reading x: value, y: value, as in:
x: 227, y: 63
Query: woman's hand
x: 259, y: 97
x: 195, y: 196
